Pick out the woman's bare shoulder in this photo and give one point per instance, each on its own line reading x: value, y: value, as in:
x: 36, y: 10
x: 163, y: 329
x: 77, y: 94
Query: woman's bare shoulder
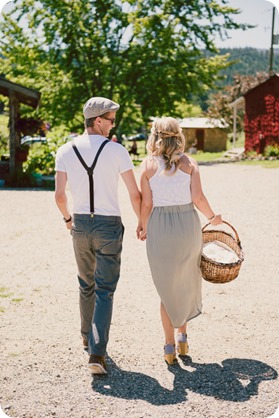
x: 149, y: 166
x: 187, y: 164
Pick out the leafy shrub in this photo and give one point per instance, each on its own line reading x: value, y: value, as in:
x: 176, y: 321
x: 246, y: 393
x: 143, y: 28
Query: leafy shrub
x: 41, y: 157
x: 272, y: 150
x: 251, y: 154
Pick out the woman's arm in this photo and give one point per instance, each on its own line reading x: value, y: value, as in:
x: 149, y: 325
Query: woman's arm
x: 199, y: 199
x: 146, y: 204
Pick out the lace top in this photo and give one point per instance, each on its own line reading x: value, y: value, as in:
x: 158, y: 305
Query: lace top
x: 170, y: 189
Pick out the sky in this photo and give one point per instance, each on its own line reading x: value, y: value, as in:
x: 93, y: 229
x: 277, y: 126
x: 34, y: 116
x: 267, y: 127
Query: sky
x: 255, y: 12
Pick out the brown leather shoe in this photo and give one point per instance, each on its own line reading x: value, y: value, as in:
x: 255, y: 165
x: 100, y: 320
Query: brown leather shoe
x: 85, y: 344
x: 97, y: 364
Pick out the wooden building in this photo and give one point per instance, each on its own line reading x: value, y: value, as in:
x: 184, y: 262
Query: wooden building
x: 262, y: 115
x: 205, y: 134
x: 17, y: 94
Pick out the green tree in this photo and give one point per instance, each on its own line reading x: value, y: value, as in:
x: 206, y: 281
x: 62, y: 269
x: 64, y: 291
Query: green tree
x: 145, y: 54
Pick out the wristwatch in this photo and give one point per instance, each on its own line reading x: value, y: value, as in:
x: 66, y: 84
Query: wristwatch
x: 67, y: 220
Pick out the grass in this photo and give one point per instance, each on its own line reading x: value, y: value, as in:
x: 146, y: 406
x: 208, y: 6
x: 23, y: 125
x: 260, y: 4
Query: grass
x: 211, y: 156
x: 207, y: 156
x: 263, y: 163
x: 17, y: 300
x: 3, y: 292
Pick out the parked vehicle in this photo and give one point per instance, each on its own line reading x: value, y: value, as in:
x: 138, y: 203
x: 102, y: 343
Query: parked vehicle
x: 29, y: 140
x: 137, y: 137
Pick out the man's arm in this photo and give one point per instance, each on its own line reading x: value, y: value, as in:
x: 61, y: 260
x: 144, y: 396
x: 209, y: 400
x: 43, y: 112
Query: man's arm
x: 134, y: 193
x: 61, y: 197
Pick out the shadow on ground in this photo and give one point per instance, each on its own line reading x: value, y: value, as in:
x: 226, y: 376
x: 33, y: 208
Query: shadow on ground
x: 236, y: 380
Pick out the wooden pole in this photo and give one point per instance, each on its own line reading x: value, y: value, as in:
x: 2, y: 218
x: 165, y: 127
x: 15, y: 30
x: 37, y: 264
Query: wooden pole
x: 14, y: 137
x: 271, y: 47
x: 234, y: 125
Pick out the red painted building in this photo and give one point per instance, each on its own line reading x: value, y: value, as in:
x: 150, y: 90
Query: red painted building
x: 261, y: 123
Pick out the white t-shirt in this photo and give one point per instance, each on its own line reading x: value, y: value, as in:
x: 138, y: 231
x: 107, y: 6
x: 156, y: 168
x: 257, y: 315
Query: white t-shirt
x: 113, y: 160
x: 170, y: 189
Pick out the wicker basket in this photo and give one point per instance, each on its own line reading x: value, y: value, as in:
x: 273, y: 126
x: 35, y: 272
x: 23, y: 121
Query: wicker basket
x: 216, y: 272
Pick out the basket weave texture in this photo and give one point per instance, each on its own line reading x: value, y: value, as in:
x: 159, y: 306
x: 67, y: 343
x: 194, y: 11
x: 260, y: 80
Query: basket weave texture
x: 216, y: 272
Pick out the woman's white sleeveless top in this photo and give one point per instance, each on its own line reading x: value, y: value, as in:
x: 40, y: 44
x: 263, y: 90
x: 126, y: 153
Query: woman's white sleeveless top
x: 170, y: 189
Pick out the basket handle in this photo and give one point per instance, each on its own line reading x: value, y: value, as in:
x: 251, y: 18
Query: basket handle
x: 227, y: 223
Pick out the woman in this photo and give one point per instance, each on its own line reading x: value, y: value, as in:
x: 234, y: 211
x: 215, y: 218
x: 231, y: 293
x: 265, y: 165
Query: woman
x: 171, y: 186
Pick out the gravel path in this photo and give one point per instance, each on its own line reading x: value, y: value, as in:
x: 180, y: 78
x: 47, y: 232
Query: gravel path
x: 233, y: 363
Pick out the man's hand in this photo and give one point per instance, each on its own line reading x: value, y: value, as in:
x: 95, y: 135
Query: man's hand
x: 143, y: 235
x: 138, y: 230
x: 69, y: 225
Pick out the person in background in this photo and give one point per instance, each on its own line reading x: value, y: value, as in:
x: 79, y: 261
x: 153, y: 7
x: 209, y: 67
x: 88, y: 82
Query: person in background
x: 171, y: 189
x: 134, y: 149
x: 193, y: 148
x: 114, y: 138
x: 95, y: 225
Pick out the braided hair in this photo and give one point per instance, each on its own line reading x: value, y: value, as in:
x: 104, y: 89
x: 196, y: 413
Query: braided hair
x: 167, y: 141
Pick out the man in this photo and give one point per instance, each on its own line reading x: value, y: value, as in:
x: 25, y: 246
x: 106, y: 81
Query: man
x: 96, y: 226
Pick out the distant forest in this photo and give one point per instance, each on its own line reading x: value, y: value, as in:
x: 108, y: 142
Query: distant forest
x: 248, y: 61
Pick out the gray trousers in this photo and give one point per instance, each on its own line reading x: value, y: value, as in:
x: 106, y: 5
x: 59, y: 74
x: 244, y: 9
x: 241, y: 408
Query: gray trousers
x: 97, y: 243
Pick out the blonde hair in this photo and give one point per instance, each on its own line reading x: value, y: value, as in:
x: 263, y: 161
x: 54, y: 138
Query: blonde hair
x: 167, y: 141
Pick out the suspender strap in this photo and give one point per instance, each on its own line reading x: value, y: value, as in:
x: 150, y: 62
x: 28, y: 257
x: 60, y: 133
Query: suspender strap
x: 90, y: 171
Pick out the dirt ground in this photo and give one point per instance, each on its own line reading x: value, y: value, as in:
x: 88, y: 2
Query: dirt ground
x: 233, y: 361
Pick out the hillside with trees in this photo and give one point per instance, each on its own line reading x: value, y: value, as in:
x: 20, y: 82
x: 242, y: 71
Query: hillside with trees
x: 247, y: 61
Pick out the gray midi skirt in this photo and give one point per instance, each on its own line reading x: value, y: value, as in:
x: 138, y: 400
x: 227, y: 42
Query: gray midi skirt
x: 174, y: 246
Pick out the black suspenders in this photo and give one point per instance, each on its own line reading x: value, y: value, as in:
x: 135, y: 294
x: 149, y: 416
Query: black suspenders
x: 90, y: 171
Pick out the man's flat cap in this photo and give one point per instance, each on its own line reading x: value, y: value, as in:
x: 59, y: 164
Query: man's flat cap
x: 97, y: 106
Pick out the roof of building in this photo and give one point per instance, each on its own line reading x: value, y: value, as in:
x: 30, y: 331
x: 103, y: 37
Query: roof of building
x: 272, y: 77
x: 239, y: 103
x: 25, y: 95
x: 202, y: 123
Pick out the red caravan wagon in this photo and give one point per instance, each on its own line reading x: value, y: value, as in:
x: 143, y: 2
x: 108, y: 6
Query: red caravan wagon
x: 262, y: 115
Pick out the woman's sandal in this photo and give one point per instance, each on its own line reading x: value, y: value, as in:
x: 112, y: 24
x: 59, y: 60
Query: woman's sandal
x: 169, y: 354
x: 182, y: 345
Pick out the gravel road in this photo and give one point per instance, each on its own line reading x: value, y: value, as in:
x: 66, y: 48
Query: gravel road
x: 233, y: 361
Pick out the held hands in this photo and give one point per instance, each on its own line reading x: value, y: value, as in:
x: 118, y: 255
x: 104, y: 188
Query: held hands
x: 141, y: 232
x: 138, y: 230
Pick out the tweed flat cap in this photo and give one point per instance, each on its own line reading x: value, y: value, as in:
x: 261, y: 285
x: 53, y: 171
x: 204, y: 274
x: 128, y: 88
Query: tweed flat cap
x: 97, y: 106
